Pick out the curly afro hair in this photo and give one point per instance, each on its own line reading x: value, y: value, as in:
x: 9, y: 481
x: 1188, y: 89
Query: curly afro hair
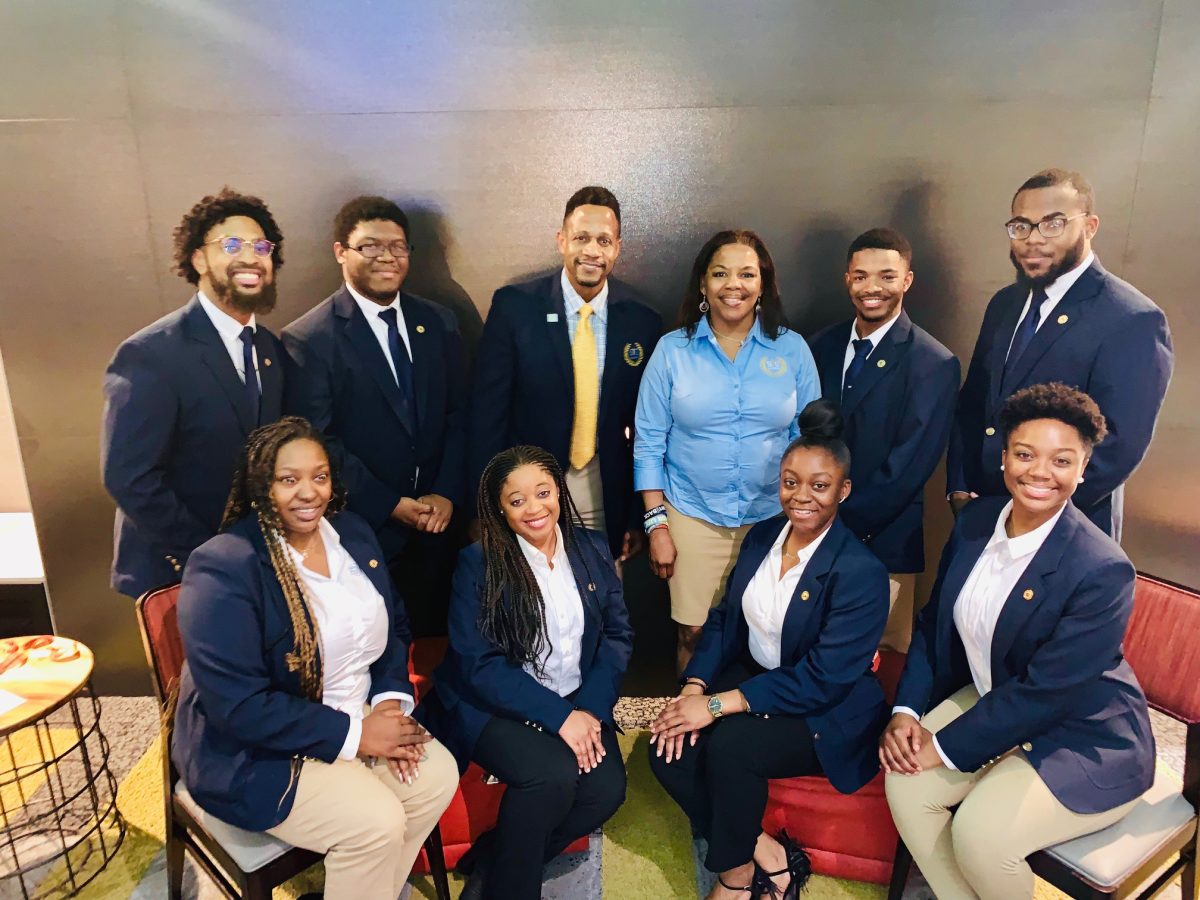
x: 1054, y: 401
x: 212, y: 210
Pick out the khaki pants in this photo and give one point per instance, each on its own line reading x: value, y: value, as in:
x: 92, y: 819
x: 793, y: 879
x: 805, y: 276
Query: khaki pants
x: 704, y: 557
x: 1006, y: 813
x: 369, y: 825
x: 898, y: 633
x: 587, y: 490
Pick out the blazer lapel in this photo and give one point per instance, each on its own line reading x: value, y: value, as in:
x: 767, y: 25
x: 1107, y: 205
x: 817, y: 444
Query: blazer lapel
x: 809, y: 591
x: 270, y: 378
x: 831, y: 359
x: 587, y: 588
x: 967, y: 554
x: 419, y: 336
x: 558, y: 336
x: 614, y: 353
x: 374, y: 567
x: 999, y: 349
x: 216, y: 359
x: 370, y: 354
x: 882, y: 361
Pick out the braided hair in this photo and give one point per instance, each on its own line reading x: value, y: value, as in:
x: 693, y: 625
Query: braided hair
x: 251, y: 494
x: 517, y: 624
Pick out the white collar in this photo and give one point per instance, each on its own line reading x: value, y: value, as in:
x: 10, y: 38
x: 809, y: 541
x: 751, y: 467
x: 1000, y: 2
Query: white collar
x: 333, y: 551
x: 229, y: 328
x: 574, y: 302
x: 877, y: 335
x: 537, y: 559
x: 1064, y: 282
x: 805, y: 553
x: 1026, y: 544
x: 371, y: 308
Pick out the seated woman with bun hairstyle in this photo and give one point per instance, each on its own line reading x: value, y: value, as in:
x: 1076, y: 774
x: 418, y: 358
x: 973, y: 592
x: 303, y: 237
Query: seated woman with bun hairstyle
x: 781, y: 682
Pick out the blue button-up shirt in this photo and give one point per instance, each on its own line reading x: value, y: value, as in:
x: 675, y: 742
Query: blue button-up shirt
x: 709, y: 432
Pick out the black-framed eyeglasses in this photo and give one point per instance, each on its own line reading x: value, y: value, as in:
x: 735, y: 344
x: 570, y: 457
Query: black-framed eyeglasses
x: 233, y: 245
x: 1019, y: 230
x: 370, y: 250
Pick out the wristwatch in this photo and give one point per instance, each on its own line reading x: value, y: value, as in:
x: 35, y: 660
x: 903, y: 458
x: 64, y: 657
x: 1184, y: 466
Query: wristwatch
x: 714, y: 706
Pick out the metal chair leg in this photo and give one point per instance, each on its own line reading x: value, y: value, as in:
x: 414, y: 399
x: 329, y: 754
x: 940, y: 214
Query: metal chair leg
x: 900, y: 868
x: 437, y: 863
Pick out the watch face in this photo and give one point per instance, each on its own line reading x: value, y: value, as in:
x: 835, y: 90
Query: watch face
x: 714, y: 706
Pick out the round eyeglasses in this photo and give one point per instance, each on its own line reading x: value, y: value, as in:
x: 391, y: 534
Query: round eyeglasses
x: 1019, y: 229
x: 233, y: 245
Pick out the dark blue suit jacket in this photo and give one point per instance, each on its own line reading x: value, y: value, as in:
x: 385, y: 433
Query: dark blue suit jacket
x: 524, y: 385
x: 242, y: 721
x: 1060, y: 683
x: 898, y: 420
x: 339, y: 379
x: 1105, y: 338
x: 176, y: 419
x: 832, y: 627
x: 476, y: 681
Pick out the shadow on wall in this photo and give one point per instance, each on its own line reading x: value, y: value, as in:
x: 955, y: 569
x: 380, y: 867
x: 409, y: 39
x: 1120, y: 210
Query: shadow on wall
x: 431, y: 277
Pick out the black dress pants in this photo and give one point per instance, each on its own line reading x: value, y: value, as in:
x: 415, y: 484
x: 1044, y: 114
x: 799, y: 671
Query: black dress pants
x: 721, y: 783
x: 422, y: 572
x: 547, y: 805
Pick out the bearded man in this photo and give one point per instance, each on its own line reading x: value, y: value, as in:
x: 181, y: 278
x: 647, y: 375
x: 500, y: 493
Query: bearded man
x: 1069, y: 320
x: 183, y: 394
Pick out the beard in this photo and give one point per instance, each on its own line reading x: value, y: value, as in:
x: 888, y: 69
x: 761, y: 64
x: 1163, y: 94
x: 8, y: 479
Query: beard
x: 1072, y: 258
x: 361, y: 282
x: 260, y: 303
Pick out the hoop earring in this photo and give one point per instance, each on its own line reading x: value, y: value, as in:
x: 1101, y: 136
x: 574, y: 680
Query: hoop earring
x: 704, y: 307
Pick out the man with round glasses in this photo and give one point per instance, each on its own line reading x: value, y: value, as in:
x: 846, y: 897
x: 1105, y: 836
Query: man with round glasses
x: 384, y: 374
x: 1066, y: 319
x: 183, y: 394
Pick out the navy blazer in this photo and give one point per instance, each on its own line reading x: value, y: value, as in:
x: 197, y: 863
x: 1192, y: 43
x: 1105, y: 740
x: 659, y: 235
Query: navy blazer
x: 176, y: 419
x: 833, y: 625
x: 1105, y: 338
x: 340, y: 380
x: 523, y: 394
x: 243, y: 726
x: 476, y: 681
x: 897, y: 424
x: 1061, y: 688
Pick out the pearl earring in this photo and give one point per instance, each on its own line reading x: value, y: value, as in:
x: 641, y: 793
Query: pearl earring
x: 1001, y: 467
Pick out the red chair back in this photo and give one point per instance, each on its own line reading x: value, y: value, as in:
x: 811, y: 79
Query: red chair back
x: 1162, y: 648
x: 158, y: 621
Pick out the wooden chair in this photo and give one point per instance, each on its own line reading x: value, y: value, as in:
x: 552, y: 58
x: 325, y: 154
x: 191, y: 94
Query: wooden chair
x: 243, y: 864
x: 1162, y: 645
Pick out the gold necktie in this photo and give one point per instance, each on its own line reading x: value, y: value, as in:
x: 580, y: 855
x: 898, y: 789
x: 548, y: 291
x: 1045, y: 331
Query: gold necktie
x: 587, y: 390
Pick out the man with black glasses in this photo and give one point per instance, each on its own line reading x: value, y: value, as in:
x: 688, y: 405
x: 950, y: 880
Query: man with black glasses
x: 383, y: 373
x: 182, y: 394
x: 1069, y: 320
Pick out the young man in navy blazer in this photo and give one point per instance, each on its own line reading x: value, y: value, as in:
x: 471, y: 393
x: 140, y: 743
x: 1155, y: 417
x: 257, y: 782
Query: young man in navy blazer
x: 182, y: 395
x: 895, y: 384
x: 383, y: 374
x: 1087, y: 329
x: 529, y: 364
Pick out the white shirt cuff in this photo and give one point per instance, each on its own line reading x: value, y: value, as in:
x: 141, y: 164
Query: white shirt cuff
x: 945, y: 759
x: 353, y: 738
x: 907, y: 711
x: 407, y: 704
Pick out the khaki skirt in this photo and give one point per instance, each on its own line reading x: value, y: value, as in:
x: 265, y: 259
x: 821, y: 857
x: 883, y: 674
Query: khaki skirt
x: 704, y: 557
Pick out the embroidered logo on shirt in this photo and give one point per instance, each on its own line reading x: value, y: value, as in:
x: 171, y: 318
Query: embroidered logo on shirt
x: 775, y: 367
x: 634, y: 354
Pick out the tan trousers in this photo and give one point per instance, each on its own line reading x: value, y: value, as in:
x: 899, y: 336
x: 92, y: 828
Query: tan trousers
x: 704, y: 557
x: 369, y: 825
x: 898, y: 633
x: 1006, y: 813
x: 587, y: 490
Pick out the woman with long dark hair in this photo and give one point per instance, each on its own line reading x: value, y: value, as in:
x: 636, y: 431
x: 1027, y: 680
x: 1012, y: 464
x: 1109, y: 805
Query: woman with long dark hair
x: 716, y: 407
x: 293, y: 713
x: 780, y: 684
x: 539, y: 641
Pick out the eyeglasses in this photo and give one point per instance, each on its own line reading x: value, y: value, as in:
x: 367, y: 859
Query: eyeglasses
x: 1052, y: 227
x: 233, y: 245
x: 398, y: 249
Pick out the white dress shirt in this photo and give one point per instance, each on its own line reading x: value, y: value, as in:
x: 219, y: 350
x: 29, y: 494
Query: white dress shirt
x: 978, y: 605
x: 371, y: 310
x: 767, y: 597
x: 353, y: 625
x: 230, y: 331
x: 874, y: 337
x: 564, y: 618
x: 1054, y: 293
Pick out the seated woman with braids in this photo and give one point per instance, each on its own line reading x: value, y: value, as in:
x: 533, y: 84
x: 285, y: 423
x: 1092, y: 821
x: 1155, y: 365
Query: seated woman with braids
x: 290, y: 630
x: 539, y: 641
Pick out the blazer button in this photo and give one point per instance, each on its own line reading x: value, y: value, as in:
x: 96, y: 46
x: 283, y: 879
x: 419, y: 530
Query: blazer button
x: 816, y: 735
x: 1027, y: 746
x: 989, y: 431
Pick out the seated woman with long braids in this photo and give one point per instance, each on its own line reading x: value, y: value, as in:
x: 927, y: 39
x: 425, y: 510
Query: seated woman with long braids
x: 290, y: 630
x: 781, y: 683
x: 539, y: 641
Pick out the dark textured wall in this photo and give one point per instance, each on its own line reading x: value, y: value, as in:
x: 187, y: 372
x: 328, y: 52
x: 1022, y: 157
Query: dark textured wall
x: 807, y: 121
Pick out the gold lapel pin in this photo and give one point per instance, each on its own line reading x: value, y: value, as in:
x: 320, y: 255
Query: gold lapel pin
x: 420, y: 329
x: 266, y: 362
x: 374, y: 564
x: 1028, y: 595
x: 881, y: 363
x: 804, y: 595
x: 591, y: 587
x: 1063, y: 319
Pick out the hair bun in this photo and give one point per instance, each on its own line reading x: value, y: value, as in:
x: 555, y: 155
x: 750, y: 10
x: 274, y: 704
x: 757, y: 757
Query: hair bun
x: 821, y: 419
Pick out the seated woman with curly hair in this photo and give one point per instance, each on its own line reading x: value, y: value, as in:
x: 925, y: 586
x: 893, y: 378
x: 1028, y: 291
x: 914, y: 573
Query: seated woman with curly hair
x: 290, y: 630
x: 1016, y: 704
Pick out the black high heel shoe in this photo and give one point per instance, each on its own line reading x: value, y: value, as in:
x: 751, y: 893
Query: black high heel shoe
x: 799, y: 868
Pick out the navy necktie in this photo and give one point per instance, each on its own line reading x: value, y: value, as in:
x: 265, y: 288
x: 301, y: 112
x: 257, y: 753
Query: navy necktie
x: 1023, y: 336
x: 252, y: 391
x: 862, y: 349
x: 400, y: 358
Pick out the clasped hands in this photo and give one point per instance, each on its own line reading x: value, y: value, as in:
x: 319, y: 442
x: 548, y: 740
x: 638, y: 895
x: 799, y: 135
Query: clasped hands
x: 681, y: 720
x: 429, y: 513
x: 906, y: 747
x: 581, y: 732
x: 389, y: 734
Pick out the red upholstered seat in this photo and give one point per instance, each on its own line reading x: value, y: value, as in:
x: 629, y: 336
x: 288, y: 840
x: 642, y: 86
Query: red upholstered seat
x: 476, y: 805
x: 847, y: 836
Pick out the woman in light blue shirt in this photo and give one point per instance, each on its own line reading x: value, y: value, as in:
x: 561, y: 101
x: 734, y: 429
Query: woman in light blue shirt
x: 716, y: 408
